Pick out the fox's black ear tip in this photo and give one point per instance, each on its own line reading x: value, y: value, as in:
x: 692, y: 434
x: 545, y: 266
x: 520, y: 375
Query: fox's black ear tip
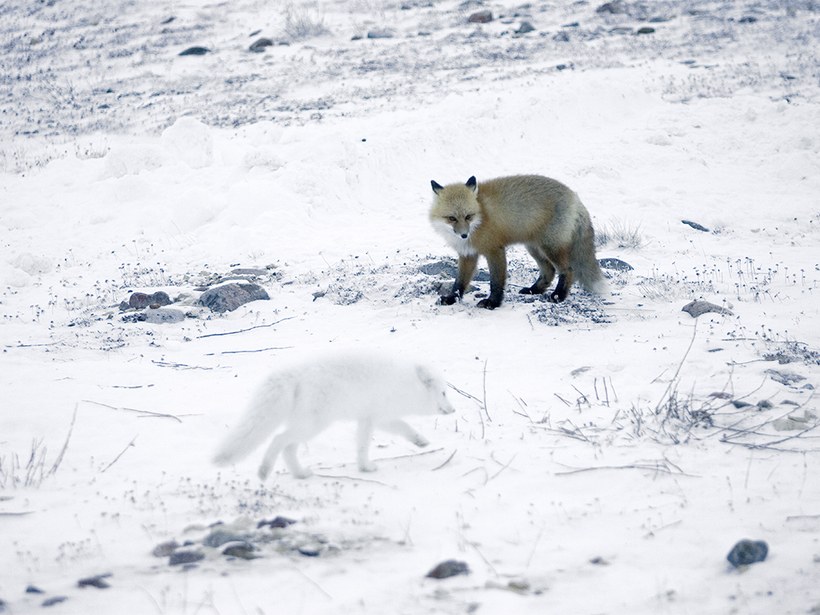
x: 436, y: 186
x: 471, y: 182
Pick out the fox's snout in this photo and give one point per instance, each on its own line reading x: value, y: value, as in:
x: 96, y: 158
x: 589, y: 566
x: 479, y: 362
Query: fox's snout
x: 445, y: 407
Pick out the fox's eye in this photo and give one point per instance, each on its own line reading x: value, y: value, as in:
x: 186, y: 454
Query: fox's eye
x: 452, y: 219
x: 469, y: 217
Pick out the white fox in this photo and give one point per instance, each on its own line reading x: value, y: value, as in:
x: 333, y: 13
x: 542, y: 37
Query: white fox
x: 305, y: 399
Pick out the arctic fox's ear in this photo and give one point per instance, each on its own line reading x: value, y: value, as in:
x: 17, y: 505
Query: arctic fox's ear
x: 471, y: 184
x: 437, y: 187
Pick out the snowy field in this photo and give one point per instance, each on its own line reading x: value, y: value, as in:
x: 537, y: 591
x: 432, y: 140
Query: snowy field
x: 606, y: 453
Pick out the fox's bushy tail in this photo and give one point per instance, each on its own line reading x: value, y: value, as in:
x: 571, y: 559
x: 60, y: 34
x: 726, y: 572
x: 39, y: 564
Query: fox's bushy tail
x: 585, y: 266
x: 268, y: 409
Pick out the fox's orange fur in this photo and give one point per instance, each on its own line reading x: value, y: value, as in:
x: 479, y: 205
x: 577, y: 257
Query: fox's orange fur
x: 482, y: 219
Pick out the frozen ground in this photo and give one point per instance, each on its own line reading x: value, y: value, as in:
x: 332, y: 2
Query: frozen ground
x: 601, y: 458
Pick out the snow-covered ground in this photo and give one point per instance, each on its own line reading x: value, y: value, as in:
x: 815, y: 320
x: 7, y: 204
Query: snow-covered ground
x: 606, y: 453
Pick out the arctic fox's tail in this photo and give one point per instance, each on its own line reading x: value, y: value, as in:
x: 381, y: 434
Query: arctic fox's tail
x: 268, y: 409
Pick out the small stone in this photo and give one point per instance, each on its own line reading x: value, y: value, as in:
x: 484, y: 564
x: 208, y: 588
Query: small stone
x: 139, y: 301
x: 259, y: 45
x: 228, y: 297
x: 277, y: 523
x: 747, y: 552
x: 645, y: 30
x: 310, y: 550
x: 195, y: 51
x: 165, y: 549
x: 784, y: 378
x: 613, y: 8
x: 485, y: 16
x: 219, y: 537
x: 162, y: 316
x: 54, y: 600
x: 695, y: 225
x: 98, y: 581
x: 379, y: 34
x: 614, y: 263
x: 185, y: 557
x: 448, y: 568
x: 240, y: 550
x: 525, y: 28
x: 31, y: 589
x: 159, y: 299
x: 699, y: 308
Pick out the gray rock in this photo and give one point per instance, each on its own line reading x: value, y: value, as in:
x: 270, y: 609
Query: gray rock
x: 179, y: 558
x: 195, y: 51
x: 383, y: 33
x: 220, y: 537
x: 277, y: 522
x: 162, y: 316
x: 614, y: 263
x: 448, y: 568
x: 695, y: 225
x: 485, y: 16
x: 645, y: 30
x: 228, y: 297
x: 699, y: 308
x: 98, y: 581
x: 240, y: 550
x: 54, y: 600
x: 259, y: 45
x: 783, y: 377
x: 525, y: 28
x: 748, y: 552
x: 165, y: 549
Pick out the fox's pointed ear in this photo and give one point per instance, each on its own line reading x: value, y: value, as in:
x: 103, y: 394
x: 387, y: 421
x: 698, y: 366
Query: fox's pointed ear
x: 471, y: 184
x: 437, y: 187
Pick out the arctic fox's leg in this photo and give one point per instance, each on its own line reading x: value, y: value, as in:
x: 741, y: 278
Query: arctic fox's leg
x: 364, y: 433
x: 293, y: 462
x: 401, y: 428
x: 288, y: 442
x: 276, y: 446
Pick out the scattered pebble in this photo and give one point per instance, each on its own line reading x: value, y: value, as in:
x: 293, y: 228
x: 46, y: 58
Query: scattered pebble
x: 447, y: 569
x: 696, y: 226
x: 485, y: 16
x: 98, y: 581
x: 185, y: 557
x: 228, y: 297
x: 195, y: 51
x: 747, y: 552
x: 699, y: 308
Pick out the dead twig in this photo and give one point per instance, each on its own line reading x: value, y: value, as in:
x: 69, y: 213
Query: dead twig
x: 273, y: 324
x: 446, y: 461
x: 117, y: 458
x: 59, y: 459
x: 161, y: 415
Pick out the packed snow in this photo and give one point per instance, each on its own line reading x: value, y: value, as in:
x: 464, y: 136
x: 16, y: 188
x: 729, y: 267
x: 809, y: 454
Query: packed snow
x: 606, y: 453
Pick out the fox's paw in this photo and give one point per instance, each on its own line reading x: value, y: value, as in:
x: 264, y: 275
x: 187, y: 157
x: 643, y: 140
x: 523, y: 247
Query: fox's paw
x: 488, y: 304
x: 367, y: 466
x: 448, y: 299
x: 301, y: 472
x: 557, y: 296
x: 420, y: 441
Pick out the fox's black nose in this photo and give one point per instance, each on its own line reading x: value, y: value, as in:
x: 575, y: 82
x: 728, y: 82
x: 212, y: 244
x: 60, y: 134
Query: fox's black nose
x: 464, y: 235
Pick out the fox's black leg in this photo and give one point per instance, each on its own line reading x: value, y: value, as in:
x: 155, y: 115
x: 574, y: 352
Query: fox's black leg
x: 561, y: 289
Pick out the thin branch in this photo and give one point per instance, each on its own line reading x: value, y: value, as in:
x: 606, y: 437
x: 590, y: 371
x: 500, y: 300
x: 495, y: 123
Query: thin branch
x: 484, y: 384
x: 199, y: 337
x: 117, y: 458
x: 448, y: 460
x: 161, y: 415
x: 59, y: 459
x: 680, y: 366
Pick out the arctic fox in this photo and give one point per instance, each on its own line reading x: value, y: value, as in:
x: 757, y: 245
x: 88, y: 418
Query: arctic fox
x: 305, y: 399
x: 539, y: 212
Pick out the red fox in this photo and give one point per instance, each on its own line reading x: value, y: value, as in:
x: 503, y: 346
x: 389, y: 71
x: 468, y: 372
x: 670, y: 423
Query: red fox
x: 539, y: 212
